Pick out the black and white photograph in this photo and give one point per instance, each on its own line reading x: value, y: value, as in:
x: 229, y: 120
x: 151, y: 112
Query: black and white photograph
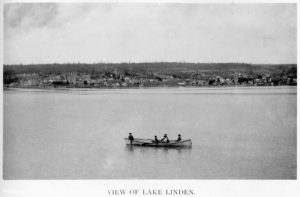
x: 149, y: 91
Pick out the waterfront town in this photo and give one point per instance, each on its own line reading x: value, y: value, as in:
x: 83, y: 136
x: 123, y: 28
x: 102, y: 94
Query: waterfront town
x: 114, y: 77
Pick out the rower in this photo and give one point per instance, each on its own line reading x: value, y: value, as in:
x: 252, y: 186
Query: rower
x: 179, y: 138
x: 130, y: 137
x: 155, y: 139
x: 165, y: 139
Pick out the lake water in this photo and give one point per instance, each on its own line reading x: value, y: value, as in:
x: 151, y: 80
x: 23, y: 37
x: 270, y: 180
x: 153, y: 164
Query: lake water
x: 237, y: 133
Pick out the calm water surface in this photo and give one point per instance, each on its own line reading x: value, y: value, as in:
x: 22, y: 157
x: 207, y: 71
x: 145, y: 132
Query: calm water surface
x: 237, y: 133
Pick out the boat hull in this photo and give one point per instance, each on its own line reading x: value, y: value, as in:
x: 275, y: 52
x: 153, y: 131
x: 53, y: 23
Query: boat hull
x: 149, y: 142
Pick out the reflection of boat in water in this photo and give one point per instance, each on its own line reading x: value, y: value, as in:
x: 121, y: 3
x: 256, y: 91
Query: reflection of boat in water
x: 150, y: 142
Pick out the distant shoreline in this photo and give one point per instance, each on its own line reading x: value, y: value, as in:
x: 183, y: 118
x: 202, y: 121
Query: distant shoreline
x: 153, y: 88
x: 147, y: 75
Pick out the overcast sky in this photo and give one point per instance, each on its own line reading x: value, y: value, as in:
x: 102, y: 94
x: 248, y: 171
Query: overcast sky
x: 126, y: 32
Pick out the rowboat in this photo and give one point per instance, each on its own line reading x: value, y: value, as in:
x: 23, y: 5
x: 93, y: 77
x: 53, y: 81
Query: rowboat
x: 150, y: 142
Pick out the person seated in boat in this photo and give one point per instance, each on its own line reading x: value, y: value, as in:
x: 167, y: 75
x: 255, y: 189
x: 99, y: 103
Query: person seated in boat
x: 130, y: 137
x: 155, y: 139
x: 179, y: 138
x: 165, y: 139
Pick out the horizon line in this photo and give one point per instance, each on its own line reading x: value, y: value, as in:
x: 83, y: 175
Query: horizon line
x: 150, y: 62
